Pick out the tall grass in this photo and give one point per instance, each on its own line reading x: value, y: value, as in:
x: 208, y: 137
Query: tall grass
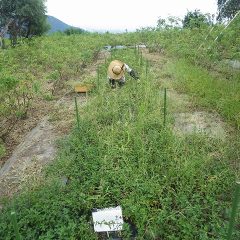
x: 209, y: 90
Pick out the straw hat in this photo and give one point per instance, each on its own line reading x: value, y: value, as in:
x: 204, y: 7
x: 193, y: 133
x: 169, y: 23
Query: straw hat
x: 116, y: 69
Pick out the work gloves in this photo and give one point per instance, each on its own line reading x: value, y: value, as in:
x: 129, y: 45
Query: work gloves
x: 134, y: 75
x: 112, y: 82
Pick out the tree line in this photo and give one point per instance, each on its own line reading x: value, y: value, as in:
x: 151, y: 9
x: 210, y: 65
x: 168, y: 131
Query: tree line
x: 27, y: 18
x: 227, y: 9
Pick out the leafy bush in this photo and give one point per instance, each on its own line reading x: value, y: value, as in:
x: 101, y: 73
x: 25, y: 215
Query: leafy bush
x: 39, y: 68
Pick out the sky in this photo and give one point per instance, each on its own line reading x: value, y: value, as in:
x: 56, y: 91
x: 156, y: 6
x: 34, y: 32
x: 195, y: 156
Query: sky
x: 112, y: 15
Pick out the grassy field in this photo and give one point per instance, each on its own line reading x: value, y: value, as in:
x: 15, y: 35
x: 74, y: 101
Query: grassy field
x: 169, y: 186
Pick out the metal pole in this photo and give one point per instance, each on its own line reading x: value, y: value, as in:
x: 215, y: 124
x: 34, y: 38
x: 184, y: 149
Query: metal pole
x: 147, y: 66
x: 77, y: 115
x: 15, y: 225
x: 98, y: 77
x: 165, y: 107
x: 226, y: 26
x: 206, y: 37
x: 234, y: 211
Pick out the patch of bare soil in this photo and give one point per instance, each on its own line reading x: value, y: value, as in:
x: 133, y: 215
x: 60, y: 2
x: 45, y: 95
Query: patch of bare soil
x: 31, y: 145
x: 200, y: 122
x: 187, y: 119
x: 39, y: 109
x: 38, y: 147
x: 28, y: 158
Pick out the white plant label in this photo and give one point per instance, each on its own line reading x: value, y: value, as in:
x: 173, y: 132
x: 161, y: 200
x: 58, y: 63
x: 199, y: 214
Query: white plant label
x: 107, y: 219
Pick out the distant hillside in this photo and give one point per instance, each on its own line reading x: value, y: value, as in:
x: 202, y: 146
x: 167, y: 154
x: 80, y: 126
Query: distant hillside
x: 57, y: 25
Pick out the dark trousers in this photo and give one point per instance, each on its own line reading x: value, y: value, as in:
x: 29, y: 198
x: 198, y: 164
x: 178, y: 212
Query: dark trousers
x: 114, y: 82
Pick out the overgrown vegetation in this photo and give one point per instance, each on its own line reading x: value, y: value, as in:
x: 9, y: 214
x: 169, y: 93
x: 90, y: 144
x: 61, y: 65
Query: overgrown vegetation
x: 38, y: 69
x: 212, y: 51
x: 169, y: 187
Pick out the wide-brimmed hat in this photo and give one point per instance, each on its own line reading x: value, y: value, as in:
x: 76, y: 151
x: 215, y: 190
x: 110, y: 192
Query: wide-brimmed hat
x: 116, y: 69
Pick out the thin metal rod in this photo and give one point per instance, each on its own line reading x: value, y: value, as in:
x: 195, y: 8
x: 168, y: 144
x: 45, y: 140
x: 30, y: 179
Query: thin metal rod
x: 165, y: 107
x: 234, y: 211
x: 226, y: 26
x: 77, y: 114
x: 15, y: 225
x: 147, y: 66
x: 98, y: 77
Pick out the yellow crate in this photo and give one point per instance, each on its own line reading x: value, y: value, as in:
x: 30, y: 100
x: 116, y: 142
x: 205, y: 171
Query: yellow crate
x: 83, y: 88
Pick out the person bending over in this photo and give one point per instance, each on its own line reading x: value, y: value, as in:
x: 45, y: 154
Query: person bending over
x: 116, y: 73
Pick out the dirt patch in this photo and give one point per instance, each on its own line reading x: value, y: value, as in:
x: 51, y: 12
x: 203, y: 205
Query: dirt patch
x: 39, y: 109
x: 186, y: 119
x: 154, y: 57
x: 36, y: 149
x: 38, y: 146
x: 200, y: 122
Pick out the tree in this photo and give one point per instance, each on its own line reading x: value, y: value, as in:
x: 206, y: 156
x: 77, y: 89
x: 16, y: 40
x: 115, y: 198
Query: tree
x: 168, y: 23
x: 28, y: 17
x: 161, y: 23
x: 196, y: 19
x: 73, y: 30
x: 227, y: 9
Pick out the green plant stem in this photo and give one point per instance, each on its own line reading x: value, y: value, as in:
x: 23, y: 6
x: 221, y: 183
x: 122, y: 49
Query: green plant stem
x: 234, y: 211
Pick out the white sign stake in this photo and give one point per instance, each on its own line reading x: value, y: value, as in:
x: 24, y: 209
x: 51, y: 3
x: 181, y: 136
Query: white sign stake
x: 108, y: 219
